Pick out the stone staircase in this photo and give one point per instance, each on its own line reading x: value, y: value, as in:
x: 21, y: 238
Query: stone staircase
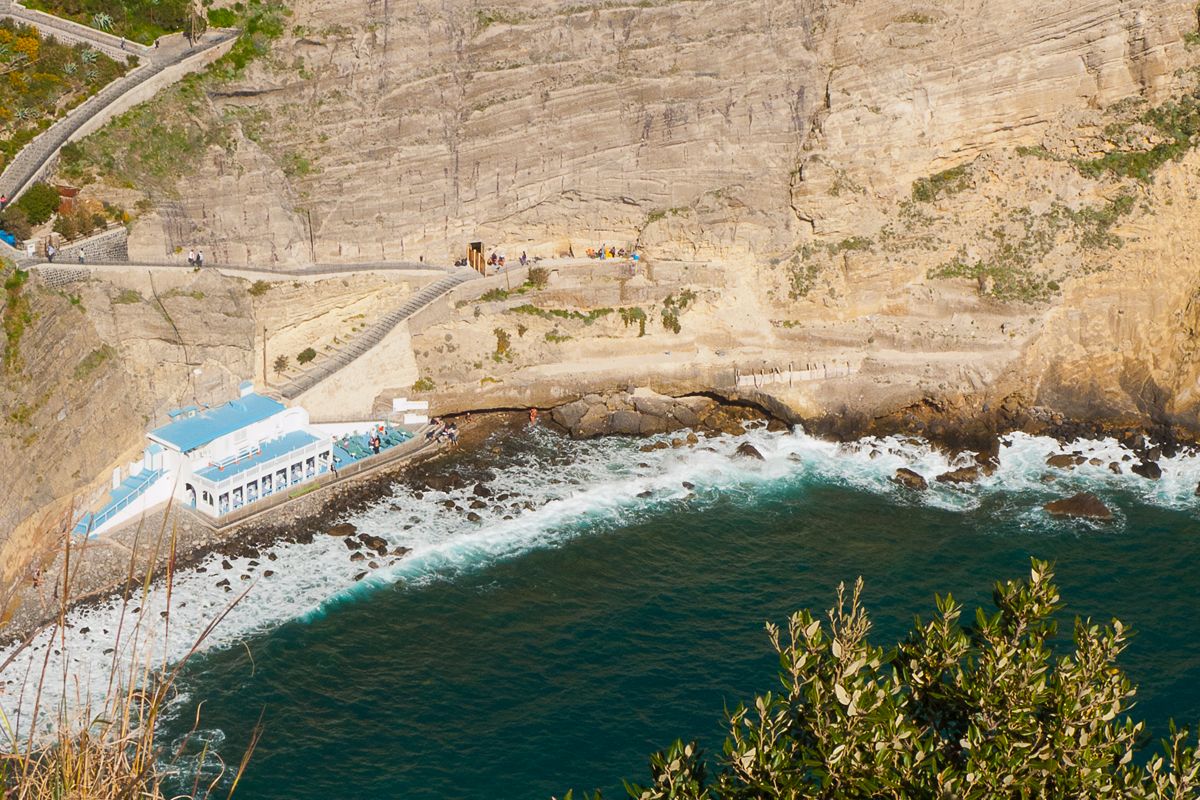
x: 34, y: 157
x: 373, y: 335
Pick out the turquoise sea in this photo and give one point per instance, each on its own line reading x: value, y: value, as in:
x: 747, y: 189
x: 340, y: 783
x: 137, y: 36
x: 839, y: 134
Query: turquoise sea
x: 517, y: 658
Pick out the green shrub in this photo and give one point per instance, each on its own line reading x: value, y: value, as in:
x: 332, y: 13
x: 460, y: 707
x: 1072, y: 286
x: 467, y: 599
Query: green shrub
x: 222, y: 17
x: 259, y: 288
x: 941, y: 184
x: 306, y: 355
x: 503, y: 350
x: 538, y: 277
x: 281, y: 364
x: 1000, y: 707
x: 64, y: 226
x: 424, y: 385
x: 39, y: 202
x: 93, y: 360
x: 128, y: 297
x: 14, y: 220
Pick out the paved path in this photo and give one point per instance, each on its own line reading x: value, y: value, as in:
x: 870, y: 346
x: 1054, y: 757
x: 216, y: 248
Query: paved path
x: 374, y: 334
x: 28, y: 164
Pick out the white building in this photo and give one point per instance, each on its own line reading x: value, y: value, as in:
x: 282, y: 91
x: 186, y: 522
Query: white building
x: 218, y: 460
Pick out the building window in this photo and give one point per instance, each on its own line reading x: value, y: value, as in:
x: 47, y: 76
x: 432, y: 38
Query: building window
x: 224, y: 506
x: 266, y: 486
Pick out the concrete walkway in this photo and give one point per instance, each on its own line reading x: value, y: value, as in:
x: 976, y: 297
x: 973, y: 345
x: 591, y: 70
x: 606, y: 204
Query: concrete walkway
x: 35, y: 157
x: 373, y: 335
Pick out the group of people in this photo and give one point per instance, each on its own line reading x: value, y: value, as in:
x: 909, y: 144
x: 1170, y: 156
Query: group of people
x: 52, y: 251
x: 195, y: 258
x: 442, y: 430
x: 606, y: 252
x: 497, y: 259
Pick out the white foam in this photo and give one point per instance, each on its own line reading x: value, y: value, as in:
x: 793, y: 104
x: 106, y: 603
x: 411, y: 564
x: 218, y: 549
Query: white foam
x: 574, y: 487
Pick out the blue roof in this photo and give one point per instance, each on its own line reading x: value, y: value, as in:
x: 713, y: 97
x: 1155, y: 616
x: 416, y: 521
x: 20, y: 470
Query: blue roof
x: 272, y: 449
x: 192, y: 432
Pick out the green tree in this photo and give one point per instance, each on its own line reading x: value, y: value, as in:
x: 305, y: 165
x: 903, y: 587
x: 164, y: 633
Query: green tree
x: 306, y: 355
x: 281, y: 364
x: 981, y: 711
x: 39, y: 202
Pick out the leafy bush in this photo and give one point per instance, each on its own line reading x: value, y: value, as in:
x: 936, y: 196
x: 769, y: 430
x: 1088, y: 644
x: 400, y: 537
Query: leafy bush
x: 138, y: 20
x: 281, y: 364
x: 222, y: 17
x: 424, y: 385
x: 538, y: 277
x: 39, y: 202
x: 127, y: 297
x: 259, y: 288
x: 503, y: 345
x: 941, y: 184
x: 14, y: 220
x: 993, y: 709
x: 64, y: 226
x: 306, y: 355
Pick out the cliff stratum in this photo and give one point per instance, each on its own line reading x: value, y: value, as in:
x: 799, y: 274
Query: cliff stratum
x: 877, y: 213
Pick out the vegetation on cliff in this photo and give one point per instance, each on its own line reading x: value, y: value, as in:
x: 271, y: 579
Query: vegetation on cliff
x: 983, y: 710
x: 138, y: 20
x: 42, y: 79
x: 152, y: 145
x: 17, y: 314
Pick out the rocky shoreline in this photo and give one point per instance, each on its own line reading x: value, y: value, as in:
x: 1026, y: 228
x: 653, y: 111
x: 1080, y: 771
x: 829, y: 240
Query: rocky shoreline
x: 635, y: 412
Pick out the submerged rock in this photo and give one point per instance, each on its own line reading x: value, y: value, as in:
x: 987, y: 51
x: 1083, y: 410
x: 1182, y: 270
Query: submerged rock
x: 777, y: 426
x: 474, y: 517
x: 964, y: 475
x: 481, y: 490
x: 1084, y: 505
x: 910, y: 480
x: 747, y: 450
x: 342, y: 529
x: 1064, y: 461
x: 1147, y: 469
x: 689, y: 486
x: 1114, y: 468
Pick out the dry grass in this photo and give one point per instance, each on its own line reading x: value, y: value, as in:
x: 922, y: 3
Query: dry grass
x: 105, y: 748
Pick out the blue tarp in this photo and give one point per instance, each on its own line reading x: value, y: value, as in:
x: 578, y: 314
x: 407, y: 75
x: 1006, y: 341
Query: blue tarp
x: 188, y: 434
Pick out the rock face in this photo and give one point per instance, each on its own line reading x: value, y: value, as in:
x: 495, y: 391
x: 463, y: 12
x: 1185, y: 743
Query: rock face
x: 643, y: 413
x: 1085, y: 505
x: 910, y: 480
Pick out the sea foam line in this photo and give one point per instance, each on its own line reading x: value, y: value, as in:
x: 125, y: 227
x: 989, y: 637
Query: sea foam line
x: 572, y: 487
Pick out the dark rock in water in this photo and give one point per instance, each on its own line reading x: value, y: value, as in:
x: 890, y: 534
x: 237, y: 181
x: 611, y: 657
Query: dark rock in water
x: 1154, y: 453
x: 503, y: 497
x: 964, y: 475
x: 223, y: 582
x: 692, y: 438
x: 473, y: 517
x: 342, y: 529
x: 910, y: 480
x: 507, y: 516
x: 443, y: 483
x: 646, y: 493
x: 1047, y: 478
x: 478, y: 504
x: 989, y: 462
x: 449, y: 504
x: 647, y: 448
x: 351, y: 544
x: 376, y: 543
x: 419, y: 495
x: 1114, y: 468
x: 84, y: 630
x: 874, y: 454
x: 268, y: 573
x: 643, y: 465
x: 689, y: 485
x: 777, y: 426
x: 271, y: 556
x: 1095, y: 462
x: 661, y: 445
x: 1085, y: 505
x: 482, y: 491
x: 225, y: 564
x: 1064, y: 461
x: 1198, y: 490
x: 357, y: 557
x: 1147, y: 469
x: 360, y: 576
x: 1127, y: 457
x: 201, y: 569
x: 677, y: 442
x: 626, y: 422
x: 373, y: 564
x: 747, y: 450
x: 245, y: 577
x: 795, y: 458
x: 401, y: 551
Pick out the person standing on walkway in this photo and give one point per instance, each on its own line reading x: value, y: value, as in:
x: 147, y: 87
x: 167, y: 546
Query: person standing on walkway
x: 51, y: 251
x: 199, y: 258
x: 191, y: 257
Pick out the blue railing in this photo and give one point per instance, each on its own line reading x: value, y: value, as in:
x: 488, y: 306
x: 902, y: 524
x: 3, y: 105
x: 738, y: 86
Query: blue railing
x: 137, y: 488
